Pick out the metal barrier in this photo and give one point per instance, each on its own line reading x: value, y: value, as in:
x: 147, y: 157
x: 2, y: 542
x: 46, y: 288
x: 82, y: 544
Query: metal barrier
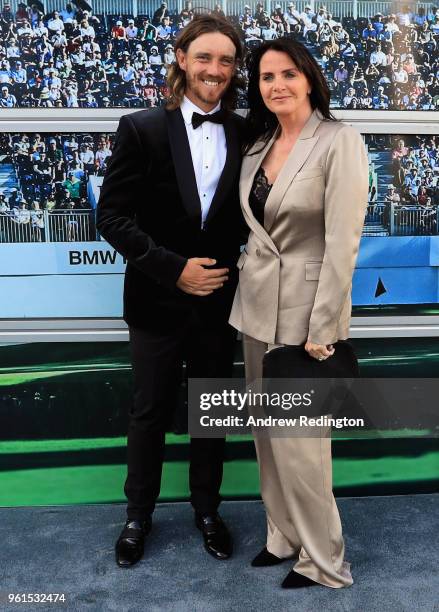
x: 101, y: 7
x: 149, y: 7
x: 48, y: 226
x: 375, y: 223
x: 382, y: 219
x: 389, y: 219
x: 413, y: 220
x: 14, y: 228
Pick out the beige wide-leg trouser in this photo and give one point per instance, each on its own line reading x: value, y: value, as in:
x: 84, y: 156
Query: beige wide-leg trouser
x: 296, y: 487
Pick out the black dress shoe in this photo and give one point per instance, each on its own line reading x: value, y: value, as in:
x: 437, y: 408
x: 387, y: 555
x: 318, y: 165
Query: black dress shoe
x: 131, y: 542
x: 217, y: 539
x: 265, y: 559
x: 296, y: 581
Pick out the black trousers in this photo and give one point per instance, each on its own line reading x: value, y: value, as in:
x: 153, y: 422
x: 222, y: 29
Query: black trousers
x: 157, y: 360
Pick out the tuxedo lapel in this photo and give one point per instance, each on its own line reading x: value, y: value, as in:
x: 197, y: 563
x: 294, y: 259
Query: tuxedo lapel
x: 182, y: 158
x: 230, y: 170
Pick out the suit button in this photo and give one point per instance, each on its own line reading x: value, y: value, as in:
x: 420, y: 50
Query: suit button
x: 258, y: 253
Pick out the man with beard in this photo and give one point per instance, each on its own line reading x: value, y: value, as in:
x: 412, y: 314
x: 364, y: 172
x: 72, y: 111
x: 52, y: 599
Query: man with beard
x: 181, y: 241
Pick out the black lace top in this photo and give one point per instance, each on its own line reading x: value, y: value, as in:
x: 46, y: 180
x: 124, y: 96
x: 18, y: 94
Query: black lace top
x: 259, y: 194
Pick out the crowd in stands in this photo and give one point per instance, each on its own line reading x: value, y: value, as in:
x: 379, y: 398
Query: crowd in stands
x: 74, y: 58
x: 52, y: 173
x: 414, y: 193
x: 385, y: 62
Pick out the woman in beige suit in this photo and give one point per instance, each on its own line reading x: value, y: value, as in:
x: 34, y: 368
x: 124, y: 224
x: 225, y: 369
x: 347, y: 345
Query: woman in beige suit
x: 304, y: 186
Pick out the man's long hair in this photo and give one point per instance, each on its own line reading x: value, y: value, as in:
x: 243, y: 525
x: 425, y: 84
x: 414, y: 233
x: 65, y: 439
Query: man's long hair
x: 176, y: 77
x: 261, y: 122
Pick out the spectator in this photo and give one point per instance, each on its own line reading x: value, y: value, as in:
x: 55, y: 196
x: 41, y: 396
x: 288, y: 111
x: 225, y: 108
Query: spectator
x: 6, y: 14
x: 278, y: 17
x: 218, y: 11
x: 68, y: 13
x: 147, y: 31
x: 87, y: 30
x: 164, y: 29
x: 253, y: 32
x: 428, y: 222
x: 245, y: 17
x: 365, y: 99
x: 87, y: 158
x: 369, y: 32
x: 391, y: 196
x: 13, y: 50
x: 55, y: 24
x: 308, y: 23
x: 350, y: 100
x: 127, y: 72
x: 259, y: 11
x: 169, y: 55
x: 155, y: 58
x: 40, y: 29
x: 118, y: 31
x: 380, y: 101
x: 187, y: 13
x: 291, y: 18
x: 72, y: 184
x: 270, y: 33
x: 160, y: 14
x: 42, y: 169
x: 22, y: 13
x: 347, y: 48
x: 377, y: 57
x: 409, y: 64
x: 37, y: 221
x: 392, y: 26
x: 7, y: 100
x: 102, y: 155
x: 22, y: 214
x: 341, y: 76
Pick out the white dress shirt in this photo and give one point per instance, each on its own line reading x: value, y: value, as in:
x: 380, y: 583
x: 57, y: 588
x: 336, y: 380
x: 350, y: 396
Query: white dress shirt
x: 208, y: 150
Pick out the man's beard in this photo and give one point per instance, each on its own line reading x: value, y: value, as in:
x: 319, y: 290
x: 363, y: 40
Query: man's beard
x: 195, y: 86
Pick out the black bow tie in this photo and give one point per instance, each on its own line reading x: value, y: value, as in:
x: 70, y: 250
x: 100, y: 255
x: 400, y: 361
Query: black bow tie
x: 198, y: 119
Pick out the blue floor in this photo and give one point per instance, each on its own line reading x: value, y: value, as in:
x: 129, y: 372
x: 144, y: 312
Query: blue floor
x: 391, y: 542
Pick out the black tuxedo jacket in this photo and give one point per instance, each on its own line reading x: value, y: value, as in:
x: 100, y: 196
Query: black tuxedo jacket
x: 149, y: 211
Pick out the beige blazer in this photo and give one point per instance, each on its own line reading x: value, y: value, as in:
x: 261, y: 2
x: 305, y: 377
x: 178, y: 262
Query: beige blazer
x: 295, y: 274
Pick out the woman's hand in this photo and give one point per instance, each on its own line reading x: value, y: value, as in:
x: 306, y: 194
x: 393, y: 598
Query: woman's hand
x: 319, y: 351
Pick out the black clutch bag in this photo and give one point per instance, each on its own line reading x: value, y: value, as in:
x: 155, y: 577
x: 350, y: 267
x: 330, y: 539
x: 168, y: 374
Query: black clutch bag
x: 294, y: 362
x: 295, y: 367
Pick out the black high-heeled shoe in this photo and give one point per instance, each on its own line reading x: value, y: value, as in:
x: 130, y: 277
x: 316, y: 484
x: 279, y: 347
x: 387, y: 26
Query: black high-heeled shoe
x: 265, y: 559
x: 293, y: 580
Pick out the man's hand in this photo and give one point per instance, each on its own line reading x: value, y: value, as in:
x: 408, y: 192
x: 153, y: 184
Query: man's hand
x: 196, y: 280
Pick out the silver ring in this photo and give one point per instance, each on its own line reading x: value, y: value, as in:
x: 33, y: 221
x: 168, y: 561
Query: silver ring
x: 320, y: 358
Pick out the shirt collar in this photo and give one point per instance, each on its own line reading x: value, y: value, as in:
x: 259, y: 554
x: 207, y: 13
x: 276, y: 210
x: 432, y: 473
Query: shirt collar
x: 187, y: 108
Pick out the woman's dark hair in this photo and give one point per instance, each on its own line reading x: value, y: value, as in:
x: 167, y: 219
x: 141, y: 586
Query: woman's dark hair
x: 261, y: 122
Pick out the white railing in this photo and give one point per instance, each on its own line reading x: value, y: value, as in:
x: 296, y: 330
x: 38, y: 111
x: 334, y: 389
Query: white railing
x: 413, y: 220
x: 100, y: 7
x: 48, y: 226
x: 375, y: 223
x: 386, y: 219
x: 338, y: 8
